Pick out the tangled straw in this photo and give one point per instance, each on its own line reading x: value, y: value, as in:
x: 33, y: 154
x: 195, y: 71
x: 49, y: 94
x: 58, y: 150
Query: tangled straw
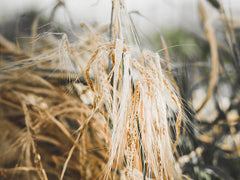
x: 136, y: 103
x: 120, y: 100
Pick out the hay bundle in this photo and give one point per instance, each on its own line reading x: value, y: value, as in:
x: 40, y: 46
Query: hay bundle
x: 109, y: 120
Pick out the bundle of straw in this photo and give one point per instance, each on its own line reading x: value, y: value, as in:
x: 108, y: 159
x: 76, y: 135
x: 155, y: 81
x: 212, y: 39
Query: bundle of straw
x: 110, y: 121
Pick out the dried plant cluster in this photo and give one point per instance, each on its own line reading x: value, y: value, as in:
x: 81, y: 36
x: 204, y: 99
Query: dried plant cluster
x: 107, y: 109
x: 93, y: 109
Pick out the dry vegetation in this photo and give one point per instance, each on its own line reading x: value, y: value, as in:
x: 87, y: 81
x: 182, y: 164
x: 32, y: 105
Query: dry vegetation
x: 107, y: 109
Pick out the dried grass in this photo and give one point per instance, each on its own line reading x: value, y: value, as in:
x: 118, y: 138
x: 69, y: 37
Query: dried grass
x: 110, y: 125
x: 211, y: 38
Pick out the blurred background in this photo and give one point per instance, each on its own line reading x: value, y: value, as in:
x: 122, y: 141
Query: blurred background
x: 165, y: 13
